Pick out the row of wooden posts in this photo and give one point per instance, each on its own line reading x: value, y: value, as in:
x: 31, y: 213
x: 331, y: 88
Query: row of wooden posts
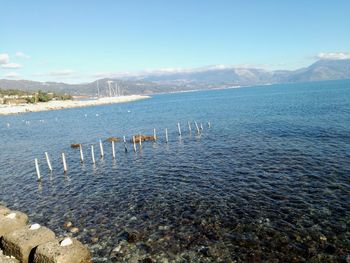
x: 134, y: 139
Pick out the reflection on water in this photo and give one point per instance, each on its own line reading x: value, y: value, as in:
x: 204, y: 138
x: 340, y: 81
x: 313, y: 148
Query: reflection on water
x: 268, y: 182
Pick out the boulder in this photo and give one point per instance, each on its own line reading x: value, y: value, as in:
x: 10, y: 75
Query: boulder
x: 4, y: 210
x: 22, y: 243
x: 11, y: 221
x: 63, y: 251
x: 7, y: 259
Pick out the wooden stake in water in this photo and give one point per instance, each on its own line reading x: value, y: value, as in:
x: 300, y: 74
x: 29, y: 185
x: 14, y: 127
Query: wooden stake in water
x: 201, y: 127
x: 113, y: 150
x: 64, y: 163
x: 126, y: 149
x: 154, y: 134
x: 166, y: 135
x: 81, y: 153
x: 133, y: 140
x: 101, y: 149
x: 37, y: 169
x: 140, y: 140
x: 197, y: 127
x: 209, y: 125
x: 189, y: 126
x: 48, y: 161
x: 92, y: 154
x: 179, y: 128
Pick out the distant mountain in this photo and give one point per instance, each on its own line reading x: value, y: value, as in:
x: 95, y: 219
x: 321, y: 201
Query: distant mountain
x: 205, y: 78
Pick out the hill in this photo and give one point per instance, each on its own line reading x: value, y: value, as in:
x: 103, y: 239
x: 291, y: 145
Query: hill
x: 204, y: 78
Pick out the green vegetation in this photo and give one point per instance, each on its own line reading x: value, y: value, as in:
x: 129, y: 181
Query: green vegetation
x: 19, y: 96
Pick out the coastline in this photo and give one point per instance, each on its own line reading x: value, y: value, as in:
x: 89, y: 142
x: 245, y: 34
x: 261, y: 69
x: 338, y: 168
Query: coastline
x: 66, y: 104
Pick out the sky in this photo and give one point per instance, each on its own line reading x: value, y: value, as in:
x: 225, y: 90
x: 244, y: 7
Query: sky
x: 82, y: 40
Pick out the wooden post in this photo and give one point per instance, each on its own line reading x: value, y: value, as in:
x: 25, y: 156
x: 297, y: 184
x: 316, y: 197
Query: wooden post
x: 140, y: 139
x: 113, y: 150
x: 92, y: 154
x: 37, y: 169
x: 81, y: 153
x: 126, y: 149
x: 189, y: 126
x: 209, y: 125
x: 133, y: 140
x: 197, y: 127
x: 201, y: 127
x: 48, y: 161
x: 166, y: 135
x: 101, y: 149
x: 179, y: 128
x: 154, y: 134
x: 64, y: 163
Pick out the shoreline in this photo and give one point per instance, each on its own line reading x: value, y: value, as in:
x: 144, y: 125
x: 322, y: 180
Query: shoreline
x: 66, y: 104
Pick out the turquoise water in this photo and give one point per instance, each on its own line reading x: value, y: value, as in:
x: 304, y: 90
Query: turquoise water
x: 269, y: 181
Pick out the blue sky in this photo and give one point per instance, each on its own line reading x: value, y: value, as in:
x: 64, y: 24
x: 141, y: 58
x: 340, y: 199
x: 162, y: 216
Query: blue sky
x: 77, y: 41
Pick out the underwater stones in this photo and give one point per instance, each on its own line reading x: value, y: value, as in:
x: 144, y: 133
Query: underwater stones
x: 94, y: 240
x: 11, y: 221
x: 204, y: 251
x: 68, y: 224
x: 131, y: 237
x: 323, y: 238
x: 74, y: 230
x: 20, y: 243
x: 63, y: 251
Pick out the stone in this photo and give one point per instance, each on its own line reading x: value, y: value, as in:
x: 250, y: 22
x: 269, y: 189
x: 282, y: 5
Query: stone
x: 74, y: 230
x: 11, y: 221
x: 94, y: 240
x: 68, y: 224
x: 53, y: 252
x: 7, y: 259
x: 22, y: 242
x: 4, y: 210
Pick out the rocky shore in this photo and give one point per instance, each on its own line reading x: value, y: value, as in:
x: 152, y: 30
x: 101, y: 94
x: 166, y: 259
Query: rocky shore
x: 66, y: 104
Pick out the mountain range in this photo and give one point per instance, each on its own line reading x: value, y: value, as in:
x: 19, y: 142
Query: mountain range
x: 198, y: 79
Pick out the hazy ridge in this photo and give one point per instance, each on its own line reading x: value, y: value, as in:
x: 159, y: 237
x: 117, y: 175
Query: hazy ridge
x: 209, y: 78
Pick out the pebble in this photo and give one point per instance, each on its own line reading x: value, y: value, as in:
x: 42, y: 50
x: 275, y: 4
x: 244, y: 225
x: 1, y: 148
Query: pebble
x: 323, y: 238
x: 94, y: 239
x: 74, y: 230
x: 68, y: 224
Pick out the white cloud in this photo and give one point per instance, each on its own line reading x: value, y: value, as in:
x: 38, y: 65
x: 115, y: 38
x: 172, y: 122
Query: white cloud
x: 168, y: 71
x: 56, y: 73
x: 4, y: 58
x: 62, y: 73
x: 12, y: 75
x: 20, y: 54
x: 333, y: 55
x: 11, y: 65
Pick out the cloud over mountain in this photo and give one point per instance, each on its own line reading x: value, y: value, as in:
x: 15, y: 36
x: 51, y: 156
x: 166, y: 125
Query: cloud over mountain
x: 333, y: 55
x: 11, y: 66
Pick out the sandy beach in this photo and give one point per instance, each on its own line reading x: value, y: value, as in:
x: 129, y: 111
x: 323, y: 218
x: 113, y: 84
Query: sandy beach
x: 66, y: 104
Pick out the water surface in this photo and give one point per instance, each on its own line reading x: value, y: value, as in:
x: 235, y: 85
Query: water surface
x: 268, y: 182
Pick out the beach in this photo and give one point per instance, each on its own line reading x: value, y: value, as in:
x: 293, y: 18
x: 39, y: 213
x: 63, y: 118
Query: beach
x: 66, y: 104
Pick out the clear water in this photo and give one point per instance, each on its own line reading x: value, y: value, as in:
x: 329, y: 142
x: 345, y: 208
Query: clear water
x: 269, y: 182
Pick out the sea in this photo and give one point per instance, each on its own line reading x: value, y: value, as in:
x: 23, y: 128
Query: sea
x: 264, y: 178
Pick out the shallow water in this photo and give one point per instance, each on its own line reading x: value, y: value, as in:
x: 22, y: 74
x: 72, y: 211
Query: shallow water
x: 268, y: 182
